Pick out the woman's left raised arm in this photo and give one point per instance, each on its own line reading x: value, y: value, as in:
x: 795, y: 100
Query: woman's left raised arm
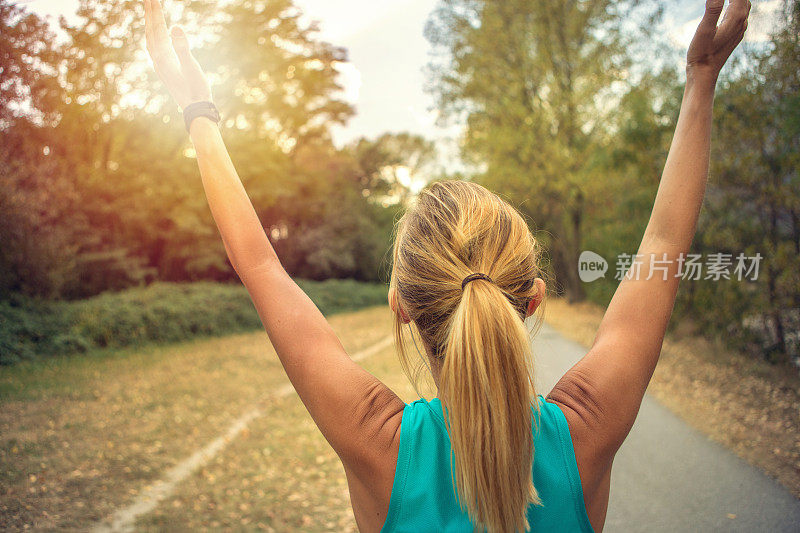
x: 350, y: 406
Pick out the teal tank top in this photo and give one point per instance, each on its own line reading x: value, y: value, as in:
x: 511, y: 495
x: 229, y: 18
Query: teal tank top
x: 423, y: 499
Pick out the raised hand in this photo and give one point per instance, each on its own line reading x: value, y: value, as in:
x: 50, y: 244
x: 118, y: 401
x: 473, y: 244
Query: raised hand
x: 172, y: 58
x: 712, y: 44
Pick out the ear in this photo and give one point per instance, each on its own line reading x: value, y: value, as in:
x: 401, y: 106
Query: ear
x: 536, y: 300
x: 395, y: 305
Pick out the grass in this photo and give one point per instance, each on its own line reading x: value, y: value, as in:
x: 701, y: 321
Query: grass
x: 81, y: 436
x: 159, y: 313
x: 260, y: 483
x: 750, y: 406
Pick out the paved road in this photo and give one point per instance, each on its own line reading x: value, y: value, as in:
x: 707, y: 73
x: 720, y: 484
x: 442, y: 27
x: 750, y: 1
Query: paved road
x: 669, y: 477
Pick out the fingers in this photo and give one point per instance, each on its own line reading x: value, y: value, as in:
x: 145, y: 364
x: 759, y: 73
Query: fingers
x: 711, y: 15
x: 189, y: 65
x: 155, y: 45
x: 159, y: 22
x: 190, y: 69
x: 741, y: 7
x: 156, y: 30
x: 148, y: 26
x: 158, y: 43
x: 735, y: 21
x: 737, y: 12
x: 181, y: 44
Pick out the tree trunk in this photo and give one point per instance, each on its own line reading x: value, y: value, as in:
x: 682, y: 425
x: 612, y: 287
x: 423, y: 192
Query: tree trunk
x: 576, y: 291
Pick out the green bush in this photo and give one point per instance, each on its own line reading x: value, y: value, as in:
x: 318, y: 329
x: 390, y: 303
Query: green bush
x: 161, y: 312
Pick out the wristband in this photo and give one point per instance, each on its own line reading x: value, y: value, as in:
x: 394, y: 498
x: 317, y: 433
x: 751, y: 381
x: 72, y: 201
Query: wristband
x: 200, y: 109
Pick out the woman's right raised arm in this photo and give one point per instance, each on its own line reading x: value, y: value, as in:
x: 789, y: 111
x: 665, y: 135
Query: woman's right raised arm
x: 602, y: 392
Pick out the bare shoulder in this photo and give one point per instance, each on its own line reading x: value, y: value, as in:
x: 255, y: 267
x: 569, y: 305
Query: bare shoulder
x: 576, y: 396
x: 370, y: 465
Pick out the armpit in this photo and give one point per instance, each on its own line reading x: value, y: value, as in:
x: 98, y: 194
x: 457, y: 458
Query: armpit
x: 375, y: 424
x: 576, y: 392
x: 595, y: 428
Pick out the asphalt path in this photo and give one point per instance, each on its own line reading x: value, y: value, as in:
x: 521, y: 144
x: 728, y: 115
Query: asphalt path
x: 670, y: 477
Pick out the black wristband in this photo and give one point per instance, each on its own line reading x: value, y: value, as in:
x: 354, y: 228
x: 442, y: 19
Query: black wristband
x: 200, y: 109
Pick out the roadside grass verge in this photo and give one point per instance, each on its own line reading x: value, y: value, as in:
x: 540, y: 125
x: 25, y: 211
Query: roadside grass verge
x: 281, y: 475
x: 752, y: 407
x: 159, y: 313
x: 81, y: 436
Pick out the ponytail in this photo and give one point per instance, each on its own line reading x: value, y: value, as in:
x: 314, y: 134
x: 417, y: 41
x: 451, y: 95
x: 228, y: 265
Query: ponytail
x: 474, y: 334
x: 486, y: 387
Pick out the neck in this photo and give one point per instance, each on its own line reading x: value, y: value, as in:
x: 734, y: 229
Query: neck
x: 435, y: 366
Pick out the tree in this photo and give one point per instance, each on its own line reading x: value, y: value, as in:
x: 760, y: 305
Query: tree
x: 391, y: 164
x: 534, y: 81
x: 37, y: 225
x: 637, y: 142
x: 99, y: 161
x: 753, y: 202
x: 26, y: 51
x: 274, y: 79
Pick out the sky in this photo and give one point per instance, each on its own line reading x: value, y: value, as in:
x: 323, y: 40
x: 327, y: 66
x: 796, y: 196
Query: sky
x: 387, y: 52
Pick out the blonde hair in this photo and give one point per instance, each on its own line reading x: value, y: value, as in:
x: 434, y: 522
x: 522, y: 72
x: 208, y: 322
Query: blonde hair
x: 477, y: 338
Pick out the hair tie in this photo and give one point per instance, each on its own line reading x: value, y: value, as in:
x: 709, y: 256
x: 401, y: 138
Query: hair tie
x: 473, y: 277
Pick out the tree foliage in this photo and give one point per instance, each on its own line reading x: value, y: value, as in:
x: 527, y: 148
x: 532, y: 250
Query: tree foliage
x: 569, y: 114
x: 534, y: 81
x: 99, y: 186
x: 754, y: 196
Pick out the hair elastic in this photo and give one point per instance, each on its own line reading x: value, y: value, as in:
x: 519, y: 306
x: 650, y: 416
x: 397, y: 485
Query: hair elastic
x: 473, y: 277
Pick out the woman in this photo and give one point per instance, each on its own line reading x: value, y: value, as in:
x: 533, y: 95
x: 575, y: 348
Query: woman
x: 489, y: 453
